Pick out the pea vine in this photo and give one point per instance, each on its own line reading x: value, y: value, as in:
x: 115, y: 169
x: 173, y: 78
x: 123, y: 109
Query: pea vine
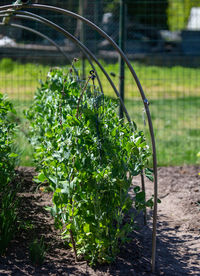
x: 8, y: 202
x: 88, y: 157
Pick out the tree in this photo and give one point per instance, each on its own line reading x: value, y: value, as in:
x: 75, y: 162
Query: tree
x: 178, y: 13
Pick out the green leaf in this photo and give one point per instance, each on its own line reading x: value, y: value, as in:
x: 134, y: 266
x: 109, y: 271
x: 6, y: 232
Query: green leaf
x: 41, y: 177
x: 65, y: 185
x: 138, y: 141
x: 140, y: 196
x: 13, y: 155
x: 149, y: 174
x: 136, y: 189
x: 86, y: 228
x: 158, y: 200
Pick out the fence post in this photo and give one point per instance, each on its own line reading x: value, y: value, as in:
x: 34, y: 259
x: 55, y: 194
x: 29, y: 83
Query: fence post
x: 122, y: 37
x: 96, y: 21
x: 82, y: 37
x: 96, y: 12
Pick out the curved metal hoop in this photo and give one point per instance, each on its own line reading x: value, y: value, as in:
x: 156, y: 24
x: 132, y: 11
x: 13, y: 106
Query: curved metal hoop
x: 85, y: 49
x: 52, y: 42
x: 39, y: 34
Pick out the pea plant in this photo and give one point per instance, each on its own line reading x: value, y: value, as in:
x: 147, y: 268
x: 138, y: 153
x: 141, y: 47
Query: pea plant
x: 88, y: 157
x: 8, y: 202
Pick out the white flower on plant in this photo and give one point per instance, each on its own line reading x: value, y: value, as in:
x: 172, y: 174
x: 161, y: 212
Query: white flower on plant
x: 68, y: 142
x: 49, y: 74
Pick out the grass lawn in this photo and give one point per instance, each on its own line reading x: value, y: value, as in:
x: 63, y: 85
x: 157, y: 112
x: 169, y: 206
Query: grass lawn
x: 177, y: 128
x: 174, y: 95
x: 19, y: 81
x: 22, y: 143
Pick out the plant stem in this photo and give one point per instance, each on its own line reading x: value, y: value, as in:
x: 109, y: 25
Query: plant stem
x: 143, y: 189
x: 73, y: 244
x: 79, y: 100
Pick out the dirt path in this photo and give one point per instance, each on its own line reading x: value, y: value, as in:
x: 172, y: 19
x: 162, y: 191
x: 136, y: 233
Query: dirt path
x: 178, y: 245
x: 178, y: 241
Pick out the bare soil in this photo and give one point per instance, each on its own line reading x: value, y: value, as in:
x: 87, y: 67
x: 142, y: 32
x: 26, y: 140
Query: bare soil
x: 178, y: 239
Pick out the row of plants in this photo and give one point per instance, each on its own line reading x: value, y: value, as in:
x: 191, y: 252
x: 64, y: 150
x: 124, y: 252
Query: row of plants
x: 89, y: 157
x: 10, y: 223
x: 8, y: 201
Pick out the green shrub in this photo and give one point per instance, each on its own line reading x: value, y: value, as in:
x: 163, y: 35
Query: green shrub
x: 8, y: 202
x: 7, y: 65
x: 89, y: 158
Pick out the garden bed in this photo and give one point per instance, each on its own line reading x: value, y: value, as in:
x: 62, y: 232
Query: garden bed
x: 178, y: 242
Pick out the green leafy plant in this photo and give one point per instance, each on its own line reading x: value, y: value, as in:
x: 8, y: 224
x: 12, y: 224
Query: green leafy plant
x: 37, y: 250
x: 89, y: 157
x: 8, y: 201
x: 26, y: 225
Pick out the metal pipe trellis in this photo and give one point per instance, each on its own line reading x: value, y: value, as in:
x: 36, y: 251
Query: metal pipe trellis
x: 39, y: 34
x: 10, y: 10
x: 52, y: 42
x: 87, y: 52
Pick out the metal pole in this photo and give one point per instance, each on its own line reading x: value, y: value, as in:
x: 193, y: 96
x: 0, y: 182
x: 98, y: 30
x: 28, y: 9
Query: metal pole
x: 122, y: 46
x: 41, y: 35
x: 96, y: 12
x: 96, y: 21
x: 144, y: 190
x: 82, y: 36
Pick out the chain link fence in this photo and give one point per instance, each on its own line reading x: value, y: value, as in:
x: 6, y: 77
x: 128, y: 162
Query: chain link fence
x: 162, y: 42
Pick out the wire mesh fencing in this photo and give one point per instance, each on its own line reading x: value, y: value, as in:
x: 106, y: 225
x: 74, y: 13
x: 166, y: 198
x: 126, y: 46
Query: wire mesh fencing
x: 161, y: 40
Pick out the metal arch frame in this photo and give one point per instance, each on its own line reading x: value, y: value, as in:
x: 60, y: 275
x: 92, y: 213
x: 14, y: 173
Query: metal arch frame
x: 39, y: 34
x: 53, y: 43
x: 86, y: 51
x: 145, y: 101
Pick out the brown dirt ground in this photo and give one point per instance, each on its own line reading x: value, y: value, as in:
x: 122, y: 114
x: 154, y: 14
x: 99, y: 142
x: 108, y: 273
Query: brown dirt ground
x: 178, y: 239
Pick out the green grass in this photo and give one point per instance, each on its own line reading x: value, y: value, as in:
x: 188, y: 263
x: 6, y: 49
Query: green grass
x: 172, y: 92
x: 157, y: 82
x: 23, y: 146
x: 19, y: 81
x: 177, y: 128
